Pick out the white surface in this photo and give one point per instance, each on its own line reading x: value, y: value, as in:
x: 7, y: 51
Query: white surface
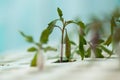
x: 17, y: 68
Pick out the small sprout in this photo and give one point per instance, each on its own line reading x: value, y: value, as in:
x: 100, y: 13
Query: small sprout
x: 64, y: 37
x: 39, y: 46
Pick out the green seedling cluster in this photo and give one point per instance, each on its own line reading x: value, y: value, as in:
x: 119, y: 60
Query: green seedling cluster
x: 96, y: 45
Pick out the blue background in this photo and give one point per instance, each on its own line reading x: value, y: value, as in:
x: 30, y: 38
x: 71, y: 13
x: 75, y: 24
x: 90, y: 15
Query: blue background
x: 32, y: 16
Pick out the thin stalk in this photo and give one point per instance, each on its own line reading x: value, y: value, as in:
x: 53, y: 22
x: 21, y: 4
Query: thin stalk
x: 62, y: 42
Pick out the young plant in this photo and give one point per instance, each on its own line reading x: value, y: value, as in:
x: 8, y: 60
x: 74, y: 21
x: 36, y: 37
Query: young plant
x: 37, y: 48
x: 95, y: 45
x: 114, y: 37
x: 64, y: 35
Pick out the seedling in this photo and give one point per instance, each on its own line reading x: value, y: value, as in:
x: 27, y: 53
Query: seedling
x: 114, y: 37
x: 95, y: 45
x: 37, y: 48
x: 64, y: 36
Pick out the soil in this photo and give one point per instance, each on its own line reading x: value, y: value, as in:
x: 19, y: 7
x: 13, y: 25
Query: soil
x: 65, y: 61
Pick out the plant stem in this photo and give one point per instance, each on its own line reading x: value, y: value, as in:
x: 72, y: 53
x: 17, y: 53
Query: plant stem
x: 62, y: 42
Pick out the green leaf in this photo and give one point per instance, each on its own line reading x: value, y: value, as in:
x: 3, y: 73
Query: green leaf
x: 32, y: 49
x: 67, y: 46
x: 108, y: 41
x: 106, y: 50
x: 49, y: 49
x: 46, y: 33
x: 22, y: 34
x: 69, y: 22
x: 34, y: 61
x: 100, y: 41
x: 59, y: 12
x: 81, y: 54
x: 82, y: 42
x: 72, y: 43
x: 98, y: 53
x: 88, y: 52
x: 27, y: 37
x: 81, y: 24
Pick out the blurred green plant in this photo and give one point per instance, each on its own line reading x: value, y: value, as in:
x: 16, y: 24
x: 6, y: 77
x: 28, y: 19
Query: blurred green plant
x: 36, y: 48
x: 95, y: 43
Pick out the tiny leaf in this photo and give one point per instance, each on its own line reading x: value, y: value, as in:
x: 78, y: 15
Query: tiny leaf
x: 81, y: 24
x: 69, y: 22
x: 49, y: 49
x: 108, y: 41
x: 98, y: 53
x: 46, y: 33
x: 34, y: 61
x: 81, y: 54
x: 106, y: 50
x: 59, y: 12
x: 22, y: 33
x: 67, y: 46
x: 73, y: 43
x: 27, y: 37
x: 100, y: 41
x: 32, y: 49
x: 88, y: 52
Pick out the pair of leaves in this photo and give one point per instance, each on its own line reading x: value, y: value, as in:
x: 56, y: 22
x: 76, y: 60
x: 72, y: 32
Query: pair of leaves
x: 27, y: 37
x: 46, y: 33
x: 33, y: 49
x: 67, y: 47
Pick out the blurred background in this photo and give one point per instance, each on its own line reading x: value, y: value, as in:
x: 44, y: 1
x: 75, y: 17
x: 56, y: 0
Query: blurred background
x: 32, y: 16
